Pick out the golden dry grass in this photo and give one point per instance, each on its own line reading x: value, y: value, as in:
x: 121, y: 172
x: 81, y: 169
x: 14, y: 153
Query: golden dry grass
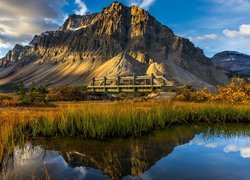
x: 108, y: 119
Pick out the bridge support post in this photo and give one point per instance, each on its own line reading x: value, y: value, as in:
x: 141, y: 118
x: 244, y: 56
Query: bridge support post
x: 118, y: 78
x: 93, y: 83
x: 134, y: 82
x: 164, y: 82
x: 152, y: 82
x: 105, y: 83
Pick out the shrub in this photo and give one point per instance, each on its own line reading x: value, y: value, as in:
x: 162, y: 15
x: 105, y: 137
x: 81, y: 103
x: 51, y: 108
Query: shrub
x: 33, y: 96
x: 185, y: 93
x: 8, y: 100
x: 67, y: 93
x: 238, y: 91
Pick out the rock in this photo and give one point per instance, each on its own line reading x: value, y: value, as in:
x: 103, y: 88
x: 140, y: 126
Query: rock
x: 106, y: 43
x: 234, y: 62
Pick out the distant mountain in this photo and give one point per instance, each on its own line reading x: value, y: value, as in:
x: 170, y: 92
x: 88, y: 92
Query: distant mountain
x: 119, y: 40
x: 237, y: 63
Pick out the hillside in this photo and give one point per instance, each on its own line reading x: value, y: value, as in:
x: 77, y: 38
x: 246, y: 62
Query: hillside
x: 237, y: 63
x: 119, y: 40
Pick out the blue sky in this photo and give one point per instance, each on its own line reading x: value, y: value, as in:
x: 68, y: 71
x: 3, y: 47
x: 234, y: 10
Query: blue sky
x: 213, y: 25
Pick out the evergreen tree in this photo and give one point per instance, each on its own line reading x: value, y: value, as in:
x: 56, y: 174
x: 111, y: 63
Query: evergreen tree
x: 32, y: 93
x: 22, y: 94
x: 42, y: 92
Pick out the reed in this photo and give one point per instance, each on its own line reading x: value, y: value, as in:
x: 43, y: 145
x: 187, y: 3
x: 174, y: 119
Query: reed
x: 108, y: 119
x: 100, y: 120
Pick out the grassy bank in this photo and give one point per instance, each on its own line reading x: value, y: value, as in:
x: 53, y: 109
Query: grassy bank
x: 99, y: 120
x: 108, y: 119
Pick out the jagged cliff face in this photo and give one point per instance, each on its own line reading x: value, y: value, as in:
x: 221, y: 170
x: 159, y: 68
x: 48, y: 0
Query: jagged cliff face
x: 119, y: 40
x: 237, y: 63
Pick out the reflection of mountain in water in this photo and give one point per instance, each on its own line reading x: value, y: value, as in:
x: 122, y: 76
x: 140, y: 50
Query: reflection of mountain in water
x: 119, y: 157
x: 76, y: 158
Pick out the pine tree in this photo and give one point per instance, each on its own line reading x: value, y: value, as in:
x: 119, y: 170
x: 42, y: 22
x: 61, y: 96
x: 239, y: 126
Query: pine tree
x: 22, y: 94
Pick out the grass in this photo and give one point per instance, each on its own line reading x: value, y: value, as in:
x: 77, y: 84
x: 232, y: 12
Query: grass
x: 100, y: 120
x: 8, y: 100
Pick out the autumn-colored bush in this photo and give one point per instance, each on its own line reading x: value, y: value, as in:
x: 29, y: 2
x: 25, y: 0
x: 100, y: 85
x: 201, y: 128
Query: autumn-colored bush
x: 9, y: 100
x: 189, y: 94
x: 185, y: 93
x: 238, y: 91
x: 67, y: 93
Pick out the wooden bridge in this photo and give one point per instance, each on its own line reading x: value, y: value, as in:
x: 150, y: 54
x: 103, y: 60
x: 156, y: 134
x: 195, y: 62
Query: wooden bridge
x: 131, y: 84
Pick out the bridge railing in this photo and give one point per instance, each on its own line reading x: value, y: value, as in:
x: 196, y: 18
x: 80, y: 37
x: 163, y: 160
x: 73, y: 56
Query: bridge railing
x: 134, y: 83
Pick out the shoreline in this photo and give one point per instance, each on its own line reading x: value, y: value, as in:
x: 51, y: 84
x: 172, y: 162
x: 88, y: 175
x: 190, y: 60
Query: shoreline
x: 109, y: 120
x: 116, y: 119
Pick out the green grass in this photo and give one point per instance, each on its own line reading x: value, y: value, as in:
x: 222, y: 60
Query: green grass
x: 126, y: 119
x: 106, y: 120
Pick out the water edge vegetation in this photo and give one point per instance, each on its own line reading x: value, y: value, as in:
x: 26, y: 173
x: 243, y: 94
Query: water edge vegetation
x: 107, y: 119
x: 110, y: 119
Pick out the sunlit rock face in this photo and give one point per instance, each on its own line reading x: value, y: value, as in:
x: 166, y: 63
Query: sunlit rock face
x: 119, y: 40
x: 237, y: 63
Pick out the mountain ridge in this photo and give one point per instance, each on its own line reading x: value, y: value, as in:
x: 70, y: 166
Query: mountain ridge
x: 92, y: 45
x: 235, y: 62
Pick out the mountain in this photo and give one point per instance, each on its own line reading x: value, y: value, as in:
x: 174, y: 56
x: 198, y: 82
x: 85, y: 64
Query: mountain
x: 119, y: 40
x: 119, y: 158
x: 237, y: 63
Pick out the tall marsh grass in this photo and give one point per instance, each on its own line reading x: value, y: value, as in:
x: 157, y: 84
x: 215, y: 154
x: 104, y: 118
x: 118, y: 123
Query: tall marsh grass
x: 107, y: 119
x: 100, y: 120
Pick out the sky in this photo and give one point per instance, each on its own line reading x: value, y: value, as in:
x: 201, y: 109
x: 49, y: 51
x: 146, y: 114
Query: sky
x: 212, y: 25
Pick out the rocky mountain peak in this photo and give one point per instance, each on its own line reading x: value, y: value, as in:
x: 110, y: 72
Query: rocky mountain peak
x: 118, y: 40
x: 77, y: 21
x: 235, y: 62
x: 114, y: 15
x: 119, y: 7
x: 226, y: 54
x: 139, y: 12
x: 115, y: 6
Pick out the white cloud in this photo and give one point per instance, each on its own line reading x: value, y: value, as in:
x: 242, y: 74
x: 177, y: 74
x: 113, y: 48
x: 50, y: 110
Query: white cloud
x: 228, y: 19
x: 20, y: 20
x: 4, y: 44
x: 212, y: 145
x: 224, y: 43
x: 230, y: 33
x: 210, y: 36
x: 202, y: 142
x: 203, y: 37
x: 237, y: 39
x: 244, y: 30
x: 234, y: 144
x: 145, y: 4
x: 231, y: 148
x: 82, y: 7
x: 244, y: 150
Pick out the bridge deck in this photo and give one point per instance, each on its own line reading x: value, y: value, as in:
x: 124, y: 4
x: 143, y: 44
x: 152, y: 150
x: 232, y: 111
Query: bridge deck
x: 131, y: 84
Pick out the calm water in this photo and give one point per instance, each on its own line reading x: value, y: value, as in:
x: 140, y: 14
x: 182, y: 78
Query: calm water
x: 182, y: 152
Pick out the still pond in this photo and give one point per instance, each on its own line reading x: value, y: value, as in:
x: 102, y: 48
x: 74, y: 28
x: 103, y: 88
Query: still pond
x: 180, y: 152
